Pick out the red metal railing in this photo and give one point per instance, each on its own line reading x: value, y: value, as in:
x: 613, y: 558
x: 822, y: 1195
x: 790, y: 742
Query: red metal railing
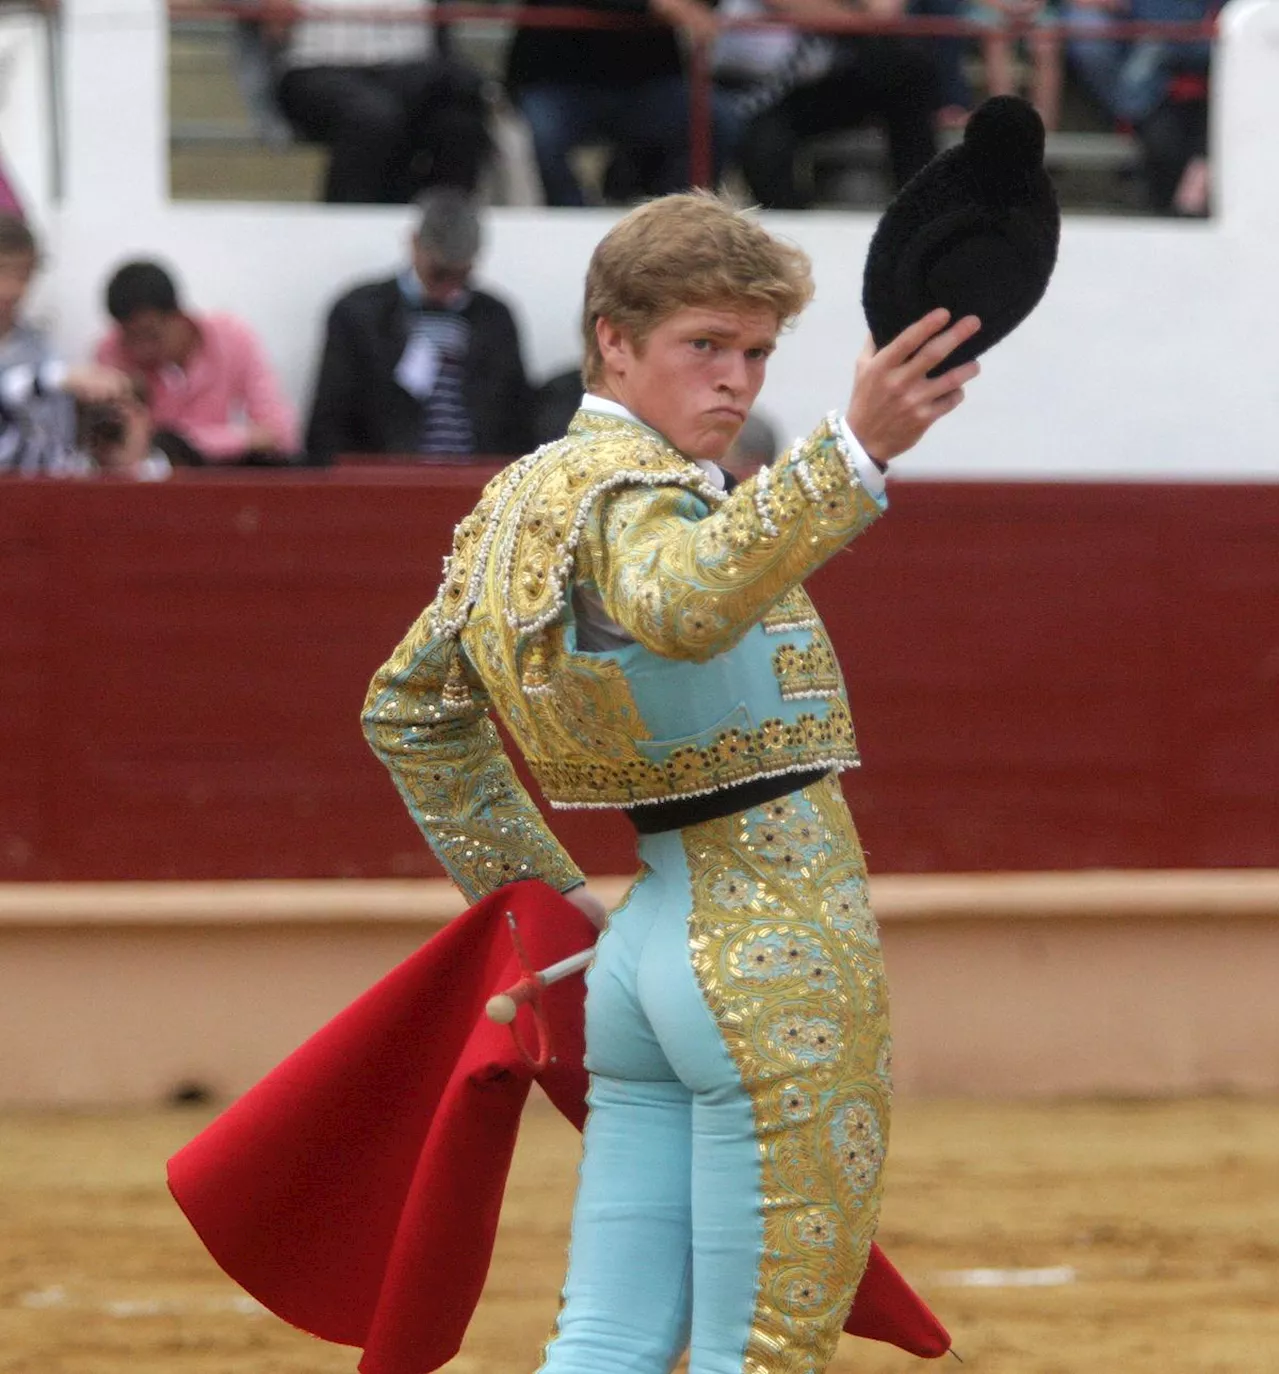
x: 699, y: 52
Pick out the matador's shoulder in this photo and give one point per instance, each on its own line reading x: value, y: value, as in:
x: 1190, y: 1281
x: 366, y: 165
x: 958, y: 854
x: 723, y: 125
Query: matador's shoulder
x: 515, y: 550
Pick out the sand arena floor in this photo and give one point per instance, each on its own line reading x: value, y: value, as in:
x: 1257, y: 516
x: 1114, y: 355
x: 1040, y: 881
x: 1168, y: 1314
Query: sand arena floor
x: 1136, y: 1238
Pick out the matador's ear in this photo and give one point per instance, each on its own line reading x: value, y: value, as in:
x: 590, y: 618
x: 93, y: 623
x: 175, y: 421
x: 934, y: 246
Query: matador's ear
x: 976, y: 231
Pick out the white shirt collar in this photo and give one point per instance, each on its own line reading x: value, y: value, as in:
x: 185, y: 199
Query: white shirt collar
x: 601, y: 405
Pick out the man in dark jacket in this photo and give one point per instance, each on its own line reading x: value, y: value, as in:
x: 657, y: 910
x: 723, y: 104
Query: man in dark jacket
x: 423, y: 363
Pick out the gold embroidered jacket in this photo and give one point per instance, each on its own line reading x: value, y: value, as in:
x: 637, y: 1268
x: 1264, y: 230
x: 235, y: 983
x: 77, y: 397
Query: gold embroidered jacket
x: 718, y: 670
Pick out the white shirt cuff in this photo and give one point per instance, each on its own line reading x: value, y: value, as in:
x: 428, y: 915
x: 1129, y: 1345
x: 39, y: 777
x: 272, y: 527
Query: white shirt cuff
x: 22, y: 381
x: 17, y: 384
x: 869, y: 475
x: 52, y: 375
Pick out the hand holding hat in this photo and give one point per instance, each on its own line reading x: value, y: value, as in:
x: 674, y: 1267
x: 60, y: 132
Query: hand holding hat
x: 974, y: 231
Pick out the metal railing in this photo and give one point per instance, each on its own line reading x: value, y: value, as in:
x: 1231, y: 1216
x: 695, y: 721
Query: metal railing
x: 698, y: 52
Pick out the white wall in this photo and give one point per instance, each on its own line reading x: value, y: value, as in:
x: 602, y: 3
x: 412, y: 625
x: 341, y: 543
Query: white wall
x: 26, y: 131
x: 1153, y: 356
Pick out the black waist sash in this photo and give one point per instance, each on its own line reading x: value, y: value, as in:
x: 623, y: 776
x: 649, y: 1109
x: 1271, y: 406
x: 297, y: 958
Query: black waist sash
x: 652, y: 818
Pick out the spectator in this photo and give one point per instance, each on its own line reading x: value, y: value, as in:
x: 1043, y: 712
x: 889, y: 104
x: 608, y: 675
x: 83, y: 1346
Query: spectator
x: 1004, y: 20
x: 626, y: 88
x: 210, y: 391
x: 755, y: 447
x: 423, y: 362
x: 1157, y: 87
x: 955, y: 96
x: 396, y: 113
x: 827, y: 85
x: 755, y: 68
x: 38, y: 392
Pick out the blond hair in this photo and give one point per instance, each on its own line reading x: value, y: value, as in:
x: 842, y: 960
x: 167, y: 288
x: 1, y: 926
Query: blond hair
x: 691, y: 249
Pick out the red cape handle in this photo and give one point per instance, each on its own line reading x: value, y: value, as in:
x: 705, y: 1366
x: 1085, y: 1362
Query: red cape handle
x: 503, y: 1006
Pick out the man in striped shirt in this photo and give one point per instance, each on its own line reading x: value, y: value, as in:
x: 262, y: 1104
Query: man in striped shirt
x: 423, y: 363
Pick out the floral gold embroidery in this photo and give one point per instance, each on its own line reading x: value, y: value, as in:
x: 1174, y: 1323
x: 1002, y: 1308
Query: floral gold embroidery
x: 786, y: 956
x: 613, y: 504
x: 774, y: 747
x: 730, y: 570
x: 809, y: 672
x: 425, y: 717
x: 793, y: 611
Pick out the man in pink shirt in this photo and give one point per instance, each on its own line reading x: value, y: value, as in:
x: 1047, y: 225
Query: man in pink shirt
x: 211, y: 393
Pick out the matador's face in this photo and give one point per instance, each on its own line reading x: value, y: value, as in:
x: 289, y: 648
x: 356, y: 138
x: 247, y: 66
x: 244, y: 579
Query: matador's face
x: 696, y: 375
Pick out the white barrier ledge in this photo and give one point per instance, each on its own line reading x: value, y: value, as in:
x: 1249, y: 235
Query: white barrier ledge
x: 1003, y: 985
x: 1094, y: 894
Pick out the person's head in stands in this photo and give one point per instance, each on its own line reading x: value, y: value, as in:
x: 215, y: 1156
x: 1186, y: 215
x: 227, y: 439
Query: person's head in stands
x: 755, y: 447
x: 19, y: 257
x: 445, y: 245
x: 685, y: 299
x: 143, y: 300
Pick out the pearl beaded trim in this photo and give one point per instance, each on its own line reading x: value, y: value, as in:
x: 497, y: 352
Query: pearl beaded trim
x: 836, y: 764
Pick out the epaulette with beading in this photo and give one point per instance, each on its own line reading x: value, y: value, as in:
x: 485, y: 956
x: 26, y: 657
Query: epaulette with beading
x: 517, y: 546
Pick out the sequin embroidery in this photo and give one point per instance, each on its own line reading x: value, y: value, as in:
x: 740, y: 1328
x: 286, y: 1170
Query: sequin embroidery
x: 793, y: 611
x: 677, y: 560
x: 808, y: 672
x: 784, y: 948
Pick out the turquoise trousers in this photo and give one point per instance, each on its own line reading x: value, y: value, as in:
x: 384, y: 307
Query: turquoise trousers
x: 737, y: 1041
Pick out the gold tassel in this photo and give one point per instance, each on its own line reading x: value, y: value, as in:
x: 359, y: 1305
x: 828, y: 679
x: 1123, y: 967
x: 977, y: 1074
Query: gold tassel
x: 535, y: 677
x: 456, y: 695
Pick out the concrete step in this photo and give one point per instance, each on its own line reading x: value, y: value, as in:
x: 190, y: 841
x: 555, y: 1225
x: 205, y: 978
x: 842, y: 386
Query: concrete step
x: 251, y: 172
x: 202, y: 84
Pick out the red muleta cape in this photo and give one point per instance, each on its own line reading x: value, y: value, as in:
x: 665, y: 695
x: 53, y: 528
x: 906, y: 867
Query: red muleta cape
x: 355, y: 1191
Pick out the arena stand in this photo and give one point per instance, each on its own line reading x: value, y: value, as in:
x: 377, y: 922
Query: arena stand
x: 1057, y: 647
x: 227, y: 141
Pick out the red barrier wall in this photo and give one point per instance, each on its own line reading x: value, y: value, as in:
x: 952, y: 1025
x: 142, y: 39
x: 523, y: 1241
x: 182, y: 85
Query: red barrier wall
x: 1043, y: 676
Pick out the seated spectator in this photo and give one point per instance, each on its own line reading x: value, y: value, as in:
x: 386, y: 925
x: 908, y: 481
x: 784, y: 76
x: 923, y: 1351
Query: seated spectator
x: 755, y: 68
x: 210, y: 391
x: 423, y: 363
x: 825, y: 85
x: 38, y: 392
x: 955, y: 96
x: 1036, y: 20
x: 625, y: 88
x: 395, y: 113
x: 755, y: 447
x: 1157, y: 87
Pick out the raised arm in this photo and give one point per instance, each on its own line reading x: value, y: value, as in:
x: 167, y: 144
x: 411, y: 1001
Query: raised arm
x: 689, y: 584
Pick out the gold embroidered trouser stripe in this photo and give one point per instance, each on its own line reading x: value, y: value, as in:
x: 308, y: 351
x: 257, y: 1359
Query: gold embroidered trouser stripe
x: 786, y: 952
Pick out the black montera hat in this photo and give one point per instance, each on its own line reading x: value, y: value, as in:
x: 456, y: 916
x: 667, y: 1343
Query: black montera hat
x: 976, y: 230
